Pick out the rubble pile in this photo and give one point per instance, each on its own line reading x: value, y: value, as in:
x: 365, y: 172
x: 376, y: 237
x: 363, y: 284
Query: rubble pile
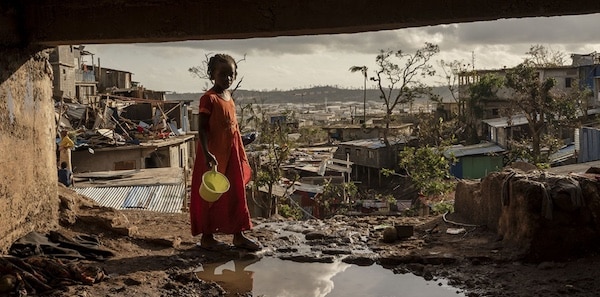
x: 116, y: 121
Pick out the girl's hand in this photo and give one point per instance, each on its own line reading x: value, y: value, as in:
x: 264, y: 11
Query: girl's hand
x: 211, y: 160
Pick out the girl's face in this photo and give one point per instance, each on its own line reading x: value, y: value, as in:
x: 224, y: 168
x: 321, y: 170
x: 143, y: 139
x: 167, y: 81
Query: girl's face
x: 224, y: 75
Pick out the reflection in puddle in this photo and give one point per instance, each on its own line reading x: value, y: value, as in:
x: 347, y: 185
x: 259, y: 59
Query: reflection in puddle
x: 272, y: 277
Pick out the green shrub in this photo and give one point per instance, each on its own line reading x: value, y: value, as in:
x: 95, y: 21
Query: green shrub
x: 288, y: 211
x: 442, y: 207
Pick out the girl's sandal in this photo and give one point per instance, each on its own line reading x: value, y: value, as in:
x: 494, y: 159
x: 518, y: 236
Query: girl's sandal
x: 250, y: 245
x: 215, y: 247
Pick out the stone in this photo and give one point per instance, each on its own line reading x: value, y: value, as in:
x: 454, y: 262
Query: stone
x: 336, y: 251
x: 360, y: 260
x: 126, y: 231
x: 439, y: 259
x: 390, y: 235
x: 314, y: 235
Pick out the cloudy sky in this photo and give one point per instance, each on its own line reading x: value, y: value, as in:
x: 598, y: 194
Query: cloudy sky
x: 286, y: 63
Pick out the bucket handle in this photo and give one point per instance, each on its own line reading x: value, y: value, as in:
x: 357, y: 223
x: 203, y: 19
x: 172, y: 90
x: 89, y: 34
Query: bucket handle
x: 213, y: 167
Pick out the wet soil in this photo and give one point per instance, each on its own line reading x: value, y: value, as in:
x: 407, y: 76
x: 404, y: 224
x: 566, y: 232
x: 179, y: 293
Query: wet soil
x: 156, y: 254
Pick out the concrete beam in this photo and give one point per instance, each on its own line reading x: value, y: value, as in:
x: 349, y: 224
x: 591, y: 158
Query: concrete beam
x: 56, y: 22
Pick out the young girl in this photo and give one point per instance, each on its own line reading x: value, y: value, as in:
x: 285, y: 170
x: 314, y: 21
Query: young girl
x: 221, y: 145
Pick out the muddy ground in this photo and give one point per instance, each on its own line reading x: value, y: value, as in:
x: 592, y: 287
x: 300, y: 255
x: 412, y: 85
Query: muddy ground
x: 156, y: 253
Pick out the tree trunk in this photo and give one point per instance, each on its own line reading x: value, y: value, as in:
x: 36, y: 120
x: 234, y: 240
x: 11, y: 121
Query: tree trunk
x: 536, y: 142
x: 272, y: 205
x: 386, y: 130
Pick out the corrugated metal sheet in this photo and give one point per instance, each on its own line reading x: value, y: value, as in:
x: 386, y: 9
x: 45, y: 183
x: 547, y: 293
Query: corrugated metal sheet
x: 563, y: 154
x: 476, y: 149
x: 159, y: 198
x: 589, y: 142
x: 516, y: 120
x: 520, y: 119
x: 375, y: 143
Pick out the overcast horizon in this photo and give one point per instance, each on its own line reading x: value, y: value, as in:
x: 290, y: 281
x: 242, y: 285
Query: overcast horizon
x: 287, y: 63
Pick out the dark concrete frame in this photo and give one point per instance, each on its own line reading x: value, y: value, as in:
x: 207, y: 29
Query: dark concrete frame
x: 56, y: 22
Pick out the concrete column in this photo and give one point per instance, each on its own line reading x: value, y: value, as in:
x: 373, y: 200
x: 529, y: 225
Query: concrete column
x: 28, y: 181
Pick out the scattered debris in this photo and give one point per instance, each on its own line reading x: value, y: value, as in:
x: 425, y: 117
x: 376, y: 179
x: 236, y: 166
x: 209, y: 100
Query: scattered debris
x: 455, y: 231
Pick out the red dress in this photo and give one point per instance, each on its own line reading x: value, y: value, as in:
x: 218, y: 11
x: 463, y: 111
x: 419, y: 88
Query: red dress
x: 230, y: 213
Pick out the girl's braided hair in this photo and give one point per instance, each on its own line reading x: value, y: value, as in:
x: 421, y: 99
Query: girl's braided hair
x: 219, y: 58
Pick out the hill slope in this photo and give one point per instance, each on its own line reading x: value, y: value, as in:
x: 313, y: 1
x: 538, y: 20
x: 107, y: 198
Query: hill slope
x: 312, y: 95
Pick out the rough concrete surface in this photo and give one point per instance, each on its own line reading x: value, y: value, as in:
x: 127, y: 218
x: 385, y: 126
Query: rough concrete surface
x: 27, y: 181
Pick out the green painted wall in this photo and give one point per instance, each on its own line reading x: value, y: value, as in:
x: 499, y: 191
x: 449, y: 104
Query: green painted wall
x: 480, y: 166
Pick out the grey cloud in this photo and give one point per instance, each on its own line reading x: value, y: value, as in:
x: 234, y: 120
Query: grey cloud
x: 557, y: 30
x: 519, y: 33
x: 368, y: 42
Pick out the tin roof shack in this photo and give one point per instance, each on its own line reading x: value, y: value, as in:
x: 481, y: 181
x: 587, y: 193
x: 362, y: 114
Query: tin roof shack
x: 304, y: 195
x: 475, y: 161
x: 369, y: 156
x: 351, y: 132
x: 501, y: 130
x: 256, y: 204
x: 313, y: 178
x: 156, y: 189
x: 175, y: 151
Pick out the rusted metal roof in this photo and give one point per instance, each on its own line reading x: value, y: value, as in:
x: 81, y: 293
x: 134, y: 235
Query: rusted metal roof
x: 158, y: 198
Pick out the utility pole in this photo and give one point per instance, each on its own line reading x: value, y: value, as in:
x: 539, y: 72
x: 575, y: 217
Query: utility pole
x: 365, y: 99
x: 363, y: 70
x: 302, y: 100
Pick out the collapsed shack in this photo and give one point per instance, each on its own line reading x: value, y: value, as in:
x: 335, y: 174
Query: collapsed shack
x: 117, y: 120
x: 551, y: 217
x: 126, y: 133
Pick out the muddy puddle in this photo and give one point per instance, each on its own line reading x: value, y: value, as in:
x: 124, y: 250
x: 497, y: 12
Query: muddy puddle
x: 273, y: 277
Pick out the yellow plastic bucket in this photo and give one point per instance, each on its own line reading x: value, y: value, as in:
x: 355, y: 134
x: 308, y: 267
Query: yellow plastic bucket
x: 214, y: 184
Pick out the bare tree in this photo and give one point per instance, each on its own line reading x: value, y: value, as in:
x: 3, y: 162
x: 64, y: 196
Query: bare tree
x: 275, y: 149
x: 542, y: 106
x: 542, y: 56
x: 397, y: 78
x: 452, y: 71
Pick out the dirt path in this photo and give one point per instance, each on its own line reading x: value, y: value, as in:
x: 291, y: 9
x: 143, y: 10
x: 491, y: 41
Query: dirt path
x: 156, y: 254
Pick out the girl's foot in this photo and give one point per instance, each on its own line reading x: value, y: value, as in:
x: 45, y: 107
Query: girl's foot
x: 208, y: 242
x: 243, y: 242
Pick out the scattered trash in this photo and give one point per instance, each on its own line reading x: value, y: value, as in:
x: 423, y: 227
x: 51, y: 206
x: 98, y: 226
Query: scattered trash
x: 455, y: 231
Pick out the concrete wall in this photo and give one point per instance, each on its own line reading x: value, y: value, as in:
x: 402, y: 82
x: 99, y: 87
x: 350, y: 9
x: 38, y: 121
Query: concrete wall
x: 62, y: 59
x: 176, y: 155
x: 106, y: 159
x: 28, y: 181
